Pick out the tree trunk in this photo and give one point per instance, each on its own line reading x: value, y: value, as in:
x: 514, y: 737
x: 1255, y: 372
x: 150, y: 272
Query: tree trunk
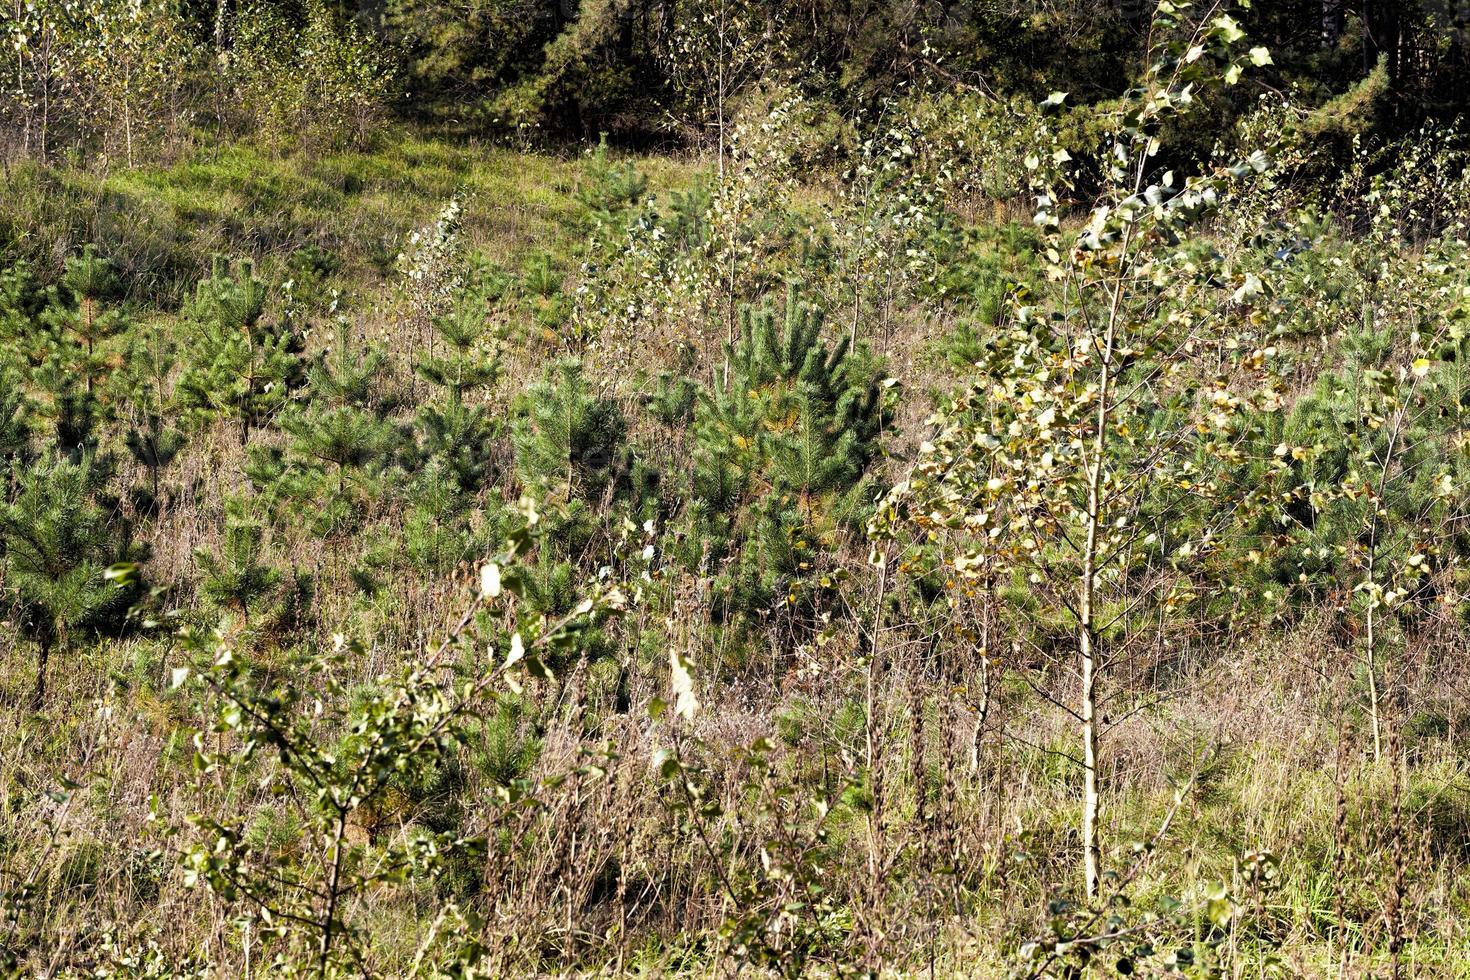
x: 720, y: 92
x: 334, y: 879
x: 1331, y: 22
x: 1087, y: 653
x: 221, y: 27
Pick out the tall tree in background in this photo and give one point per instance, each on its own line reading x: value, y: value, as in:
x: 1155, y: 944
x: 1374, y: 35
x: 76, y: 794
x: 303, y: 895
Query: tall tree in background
x: 713, y: 53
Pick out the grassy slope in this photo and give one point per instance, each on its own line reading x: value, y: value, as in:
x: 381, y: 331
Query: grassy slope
x: 163, y: 223
x: 1274, y: 787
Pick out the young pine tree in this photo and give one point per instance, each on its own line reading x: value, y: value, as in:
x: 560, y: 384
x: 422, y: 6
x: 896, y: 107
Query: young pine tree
x: 237, y: 579
x: 780, y: 456
x: 154, y: 444
x: 340, y: 440
x: 570, y: 444
x: 349, y: 373
x: 456, y: 432
x: 151, y: 438
x: 59, y: 537
x: 819, y: 410
x: 73, y: 411
x: 80, y: 323
x: 15, y: 433
x: 241, y: 366
x: 70, y: 351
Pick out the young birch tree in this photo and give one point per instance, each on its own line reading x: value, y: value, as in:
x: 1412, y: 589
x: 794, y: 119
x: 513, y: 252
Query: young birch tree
x: 1086, y: 474
x: 712, y: 54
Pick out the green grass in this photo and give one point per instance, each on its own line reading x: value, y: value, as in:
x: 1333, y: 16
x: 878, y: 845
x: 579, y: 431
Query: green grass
x: 162, y: 224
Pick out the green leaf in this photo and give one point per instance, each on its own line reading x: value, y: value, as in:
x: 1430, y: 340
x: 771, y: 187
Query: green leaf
x: 1229, y: 30
x: 122, y: 573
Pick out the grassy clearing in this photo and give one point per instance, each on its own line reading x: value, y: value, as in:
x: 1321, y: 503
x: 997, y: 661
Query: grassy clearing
x: 162, y: 224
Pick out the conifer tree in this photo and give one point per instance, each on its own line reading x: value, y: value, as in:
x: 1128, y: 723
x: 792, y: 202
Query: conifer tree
x: 343, y: 420
x: 455, y: 432
x: 469, y: 360
x: 819, y: 411
x: 343, y: 439
x: 60, y: 537
x: 236, y: 578
x: 780, y: 454
x: 459, y: 438
x: 241, y: 366
x: 74, y: 413
x: 15, y: 435
x: 570, y: 444
x: 348, y: 373
x: 20, y: 302
x: 339, y: 435
x: 80, y: 321
x: 572, y: 453
x: 673, y: 400
x: 152, y: 439
x: 435, y: 533
x: 154, y: 444
x: 65, y: 341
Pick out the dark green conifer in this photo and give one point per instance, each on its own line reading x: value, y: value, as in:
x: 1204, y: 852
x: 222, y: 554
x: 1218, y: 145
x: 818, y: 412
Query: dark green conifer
x: 343, y: 440
x: 21, y: 301
x: 569, y: 443
x: 348, y: 373
x: 796, y: 418
x: 240, y: 365
x: 59, y: 538
x: 1374, y: 491
x: 73, y: 411
x: 436, y: 536
x: 460, y: 439
x: 80, y: 321
x: 468, y: 361
x: 340, y: 440
x: 456, y: 432
x: 151, y: 438
x: 673, y: 399
x: 237, y: 578
x: 15, y: 433
x: 154, y: 444
x: 780, y: 458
